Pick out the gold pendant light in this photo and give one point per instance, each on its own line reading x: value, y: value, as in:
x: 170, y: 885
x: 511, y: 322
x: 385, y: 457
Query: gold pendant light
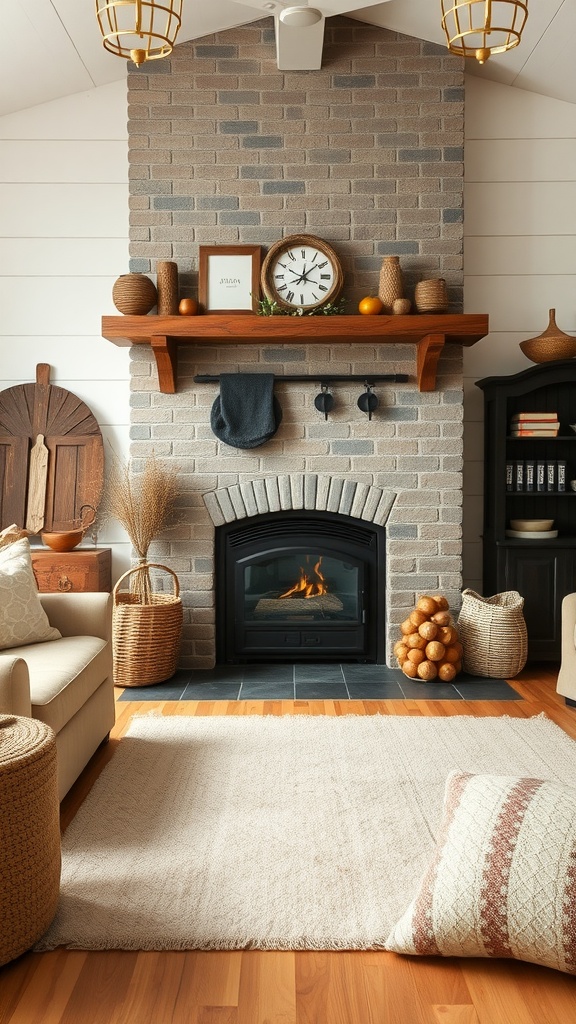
x: 478, y: 28
x: 139, y: 30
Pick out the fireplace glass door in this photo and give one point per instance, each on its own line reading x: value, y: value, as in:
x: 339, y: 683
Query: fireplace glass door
x: 297, y: 587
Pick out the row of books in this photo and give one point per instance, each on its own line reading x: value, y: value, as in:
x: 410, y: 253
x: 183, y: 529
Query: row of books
x: 534, y: 424
x: 536, y: 475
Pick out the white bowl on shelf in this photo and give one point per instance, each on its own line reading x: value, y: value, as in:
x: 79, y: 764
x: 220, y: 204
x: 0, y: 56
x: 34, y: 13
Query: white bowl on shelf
x: 532, y: 534
x: 531, y: 525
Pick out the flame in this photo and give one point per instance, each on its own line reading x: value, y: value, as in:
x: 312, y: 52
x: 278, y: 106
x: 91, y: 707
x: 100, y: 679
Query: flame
x: 307, y: 587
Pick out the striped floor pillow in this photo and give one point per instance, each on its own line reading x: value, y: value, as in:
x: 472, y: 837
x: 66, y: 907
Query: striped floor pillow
x: 502, y: 881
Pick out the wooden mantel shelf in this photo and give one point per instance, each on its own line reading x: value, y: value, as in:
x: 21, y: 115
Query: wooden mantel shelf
x: 166, y: 333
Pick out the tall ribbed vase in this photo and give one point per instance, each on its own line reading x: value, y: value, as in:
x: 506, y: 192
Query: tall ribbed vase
x: 391, y: 286
x: 167, y: 285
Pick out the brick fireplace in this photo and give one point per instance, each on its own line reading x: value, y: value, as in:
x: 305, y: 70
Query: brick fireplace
x: 366, y: 153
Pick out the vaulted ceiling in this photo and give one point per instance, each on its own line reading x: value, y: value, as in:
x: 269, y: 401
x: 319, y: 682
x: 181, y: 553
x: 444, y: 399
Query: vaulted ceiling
x: 53, y: 48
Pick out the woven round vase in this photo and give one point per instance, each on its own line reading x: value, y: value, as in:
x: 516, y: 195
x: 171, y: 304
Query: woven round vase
x: 391, y: 284
x: 431, y: 296
x: 551, y: 344
x: 134, y: 294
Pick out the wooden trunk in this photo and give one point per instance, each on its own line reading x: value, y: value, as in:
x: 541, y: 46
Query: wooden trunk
x: 84, y: 569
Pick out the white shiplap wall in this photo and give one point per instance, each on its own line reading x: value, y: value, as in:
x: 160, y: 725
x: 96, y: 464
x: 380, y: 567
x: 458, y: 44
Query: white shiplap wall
x: 64, y: 240
x: 519, y: 251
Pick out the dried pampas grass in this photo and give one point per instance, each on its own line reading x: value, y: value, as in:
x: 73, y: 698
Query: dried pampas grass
x: 143, y: 503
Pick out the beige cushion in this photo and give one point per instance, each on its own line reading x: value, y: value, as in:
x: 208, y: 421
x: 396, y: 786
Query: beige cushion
x: 22, y: 618
x: 11, y: 533
x: 64, y: 675
x: 502, y: 881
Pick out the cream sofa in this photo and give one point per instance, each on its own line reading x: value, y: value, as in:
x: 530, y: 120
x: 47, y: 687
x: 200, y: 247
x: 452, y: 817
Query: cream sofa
x: 567, y: 676
x: 66, y: 683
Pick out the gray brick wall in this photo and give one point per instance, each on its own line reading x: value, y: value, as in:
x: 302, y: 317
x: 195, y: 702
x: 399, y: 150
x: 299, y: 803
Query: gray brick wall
x: 367, y: 153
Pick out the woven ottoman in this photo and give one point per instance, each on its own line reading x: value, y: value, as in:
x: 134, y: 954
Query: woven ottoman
x: 29, y: 833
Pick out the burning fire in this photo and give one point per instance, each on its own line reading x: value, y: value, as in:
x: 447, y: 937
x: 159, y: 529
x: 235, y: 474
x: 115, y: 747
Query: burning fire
x: 306, y: 586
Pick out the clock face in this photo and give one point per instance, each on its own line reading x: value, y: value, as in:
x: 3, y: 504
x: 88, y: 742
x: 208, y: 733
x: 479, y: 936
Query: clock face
x: 301, y: 272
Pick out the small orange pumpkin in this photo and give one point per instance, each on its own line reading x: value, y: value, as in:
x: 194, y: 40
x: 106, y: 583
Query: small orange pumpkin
x: 370, y: 305
x: 188, y: 307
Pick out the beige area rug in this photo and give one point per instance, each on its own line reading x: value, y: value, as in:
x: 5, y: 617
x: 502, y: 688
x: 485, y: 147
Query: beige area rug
x: 273, y: 833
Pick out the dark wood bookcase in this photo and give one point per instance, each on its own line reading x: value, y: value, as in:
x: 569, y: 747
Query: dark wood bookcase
x: 543, y: 571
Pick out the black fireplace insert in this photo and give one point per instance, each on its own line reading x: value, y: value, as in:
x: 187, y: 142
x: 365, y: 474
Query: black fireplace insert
x: 300, y: 586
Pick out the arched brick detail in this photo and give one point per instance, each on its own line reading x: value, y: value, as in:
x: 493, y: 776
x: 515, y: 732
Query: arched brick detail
x: 312, y: 491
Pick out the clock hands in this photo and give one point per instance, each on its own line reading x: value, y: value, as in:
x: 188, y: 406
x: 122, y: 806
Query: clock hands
x: 312, y: 276
x: 303, y: 277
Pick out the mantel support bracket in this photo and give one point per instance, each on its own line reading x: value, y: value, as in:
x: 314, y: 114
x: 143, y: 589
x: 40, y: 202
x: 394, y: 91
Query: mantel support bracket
x: 429, y: 349
x: 165, y: 349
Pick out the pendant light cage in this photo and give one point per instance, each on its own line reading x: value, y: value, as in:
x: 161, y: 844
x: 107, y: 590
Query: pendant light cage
x: 139, y: 30
x: 479, y: 28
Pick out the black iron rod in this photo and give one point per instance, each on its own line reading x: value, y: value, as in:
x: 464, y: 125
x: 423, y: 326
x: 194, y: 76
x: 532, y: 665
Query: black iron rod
x: 320, y: 378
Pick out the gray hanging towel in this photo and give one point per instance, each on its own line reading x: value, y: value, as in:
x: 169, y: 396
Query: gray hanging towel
x: 246, y: 413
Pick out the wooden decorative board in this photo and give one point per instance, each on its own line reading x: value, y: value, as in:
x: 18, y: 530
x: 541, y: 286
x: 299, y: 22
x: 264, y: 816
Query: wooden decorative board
x: 51, y: 456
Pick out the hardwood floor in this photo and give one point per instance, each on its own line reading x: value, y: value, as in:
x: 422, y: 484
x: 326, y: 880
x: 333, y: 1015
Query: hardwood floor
x: 253, y: 987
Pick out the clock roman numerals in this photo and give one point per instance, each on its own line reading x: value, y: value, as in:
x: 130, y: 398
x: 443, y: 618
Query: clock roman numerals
x: 302, y: 271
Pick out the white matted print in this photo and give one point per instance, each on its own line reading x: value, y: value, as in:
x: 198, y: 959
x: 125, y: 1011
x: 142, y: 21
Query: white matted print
x: 229, y: 278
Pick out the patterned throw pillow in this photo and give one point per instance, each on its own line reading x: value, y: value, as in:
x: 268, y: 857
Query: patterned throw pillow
x: 502, y: 881
x: 22, y: 617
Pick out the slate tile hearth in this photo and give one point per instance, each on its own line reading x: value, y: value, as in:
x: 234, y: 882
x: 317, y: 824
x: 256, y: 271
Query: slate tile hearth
x: 315, y: 682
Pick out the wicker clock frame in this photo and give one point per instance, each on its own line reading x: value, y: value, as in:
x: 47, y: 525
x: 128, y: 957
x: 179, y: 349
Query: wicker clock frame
x: 291, y: 242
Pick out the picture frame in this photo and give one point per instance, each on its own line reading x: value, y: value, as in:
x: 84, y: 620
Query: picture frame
x: 229, y: 278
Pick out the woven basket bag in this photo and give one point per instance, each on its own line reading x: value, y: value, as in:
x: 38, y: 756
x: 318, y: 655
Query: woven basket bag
x: 493, y: 634
x: 146, y: 637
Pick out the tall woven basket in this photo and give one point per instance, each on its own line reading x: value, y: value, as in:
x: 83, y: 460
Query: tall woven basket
x: 493, y: 634
x: 146, y: 637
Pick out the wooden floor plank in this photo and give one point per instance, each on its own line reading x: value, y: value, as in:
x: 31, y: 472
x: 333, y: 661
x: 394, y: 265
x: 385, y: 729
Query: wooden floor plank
x: 217, y: 1015
x: 101, y: 988
x: 454, y: 1014
x: 153, y: 989
x: 15, y: 978
x: 509, y: 992
x: 257, y: 987
x: 392, y: 992
x: 267, y: 988
x: 330, y: 987
x: 46, y: 999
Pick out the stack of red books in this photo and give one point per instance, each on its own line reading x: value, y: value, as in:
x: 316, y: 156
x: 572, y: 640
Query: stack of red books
x: 534, y: 424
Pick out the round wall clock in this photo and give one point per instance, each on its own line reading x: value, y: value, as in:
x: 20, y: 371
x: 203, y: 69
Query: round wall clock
x: 301, y: 272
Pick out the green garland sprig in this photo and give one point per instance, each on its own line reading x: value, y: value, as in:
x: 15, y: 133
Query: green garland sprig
x: 269, y: 307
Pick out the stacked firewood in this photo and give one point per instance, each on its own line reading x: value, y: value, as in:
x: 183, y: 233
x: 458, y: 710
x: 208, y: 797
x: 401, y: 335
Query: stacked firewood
x: 429, y: 647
